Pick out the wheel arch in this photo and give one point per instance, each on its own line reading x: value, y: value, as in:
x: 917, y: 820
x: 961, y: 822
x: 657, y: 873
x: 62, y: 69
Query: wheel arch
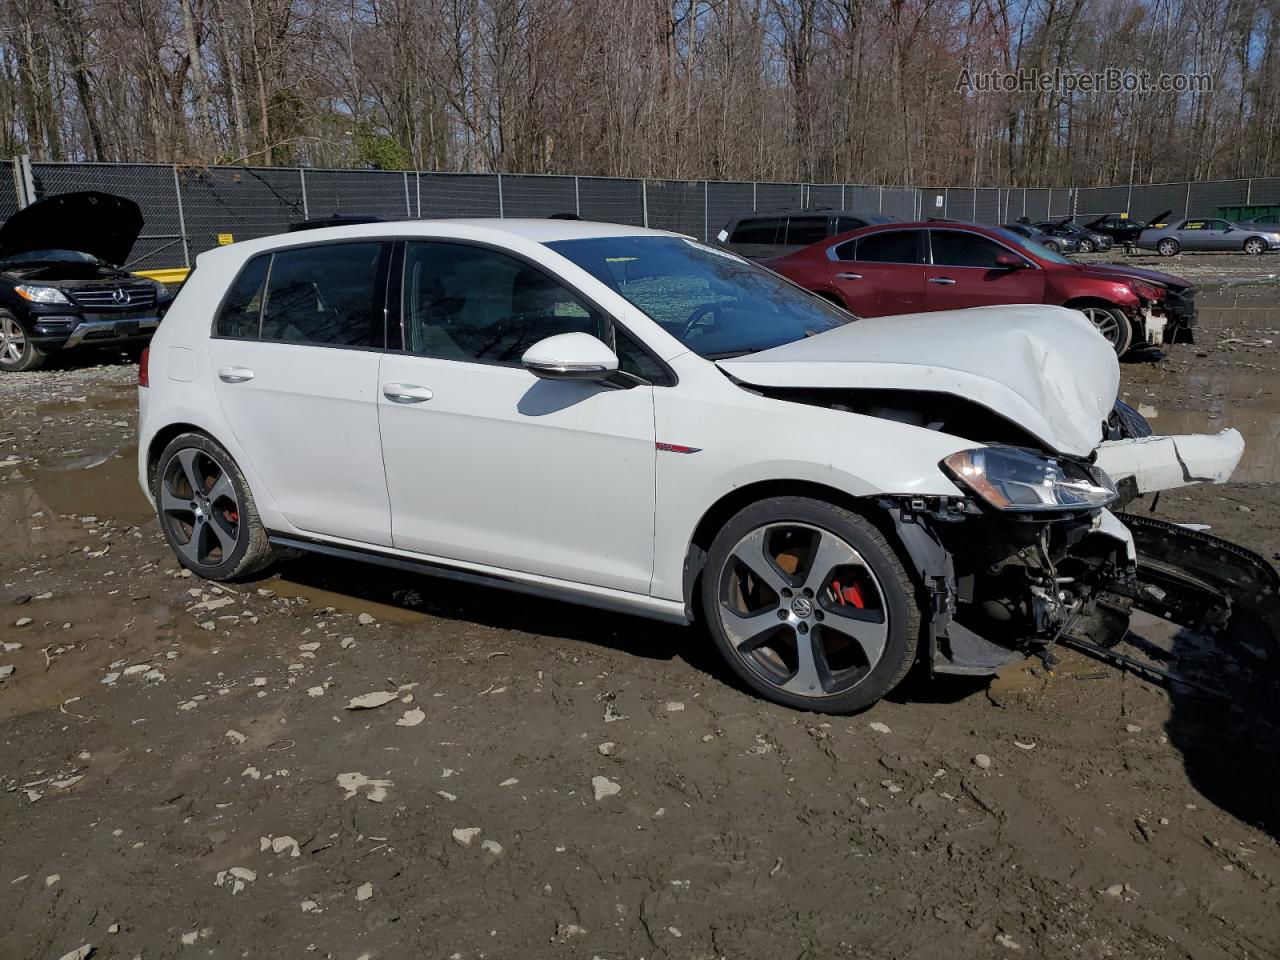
x: 718, y: 514
x: 1255, y: 236
x: 162, y: 438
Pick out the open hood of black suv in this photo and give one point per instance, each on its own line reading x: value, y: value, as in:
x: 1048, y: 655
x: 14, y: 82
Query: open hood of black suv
x: 100, y: 224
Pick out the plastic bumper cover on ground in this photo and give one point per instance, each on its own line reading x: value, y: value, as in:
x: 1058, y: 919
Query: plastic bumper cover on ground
x: 1163, y: 463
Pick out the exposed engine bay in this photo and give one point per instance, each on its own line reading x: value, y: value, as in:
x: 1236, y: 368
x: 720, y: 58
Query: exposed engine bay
x: 1003, y: 585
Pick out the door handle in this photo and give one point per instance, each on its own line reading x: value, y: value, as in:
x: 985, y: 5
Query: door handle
x: 235, y: 374
x: 945, y: 281
x: 405, y: 393
x: 848, y: 276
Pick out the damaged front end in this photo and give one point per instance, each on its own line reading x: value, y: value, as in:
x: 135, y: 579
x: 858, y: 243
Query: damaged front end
x: 1001, y: 587
x: 1004, y: 581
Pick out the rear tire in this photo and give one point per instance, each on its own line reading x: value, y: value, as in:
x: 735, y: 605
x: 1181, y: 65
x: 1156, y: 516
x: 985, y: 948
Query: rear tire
x: 1168, y: 247
x: 17, y: 352
x: 810, y: 605
x: 1053, y: 245
x: 207, y: 512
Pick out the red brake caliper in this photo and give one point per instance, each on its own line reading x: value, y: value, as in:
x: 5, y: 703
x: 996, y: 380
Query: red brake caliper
x: 850, y: 596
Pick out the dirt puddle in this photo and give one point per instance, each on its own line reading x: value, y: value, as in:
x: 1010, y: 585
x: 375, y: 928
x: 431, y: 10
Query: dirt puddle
x: 351, y: 603
x: 102, y: 485
x: 1245, y: 400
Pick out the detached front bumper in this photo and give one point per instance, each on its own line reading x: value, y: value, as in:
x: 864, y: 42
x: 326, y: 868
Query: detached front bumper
x: 1150, y: 464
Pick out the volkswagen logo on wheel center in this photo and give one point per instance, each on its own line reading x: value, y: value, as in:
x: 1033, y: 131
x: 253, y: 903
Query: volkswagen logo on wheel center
x: 801, y: 607
x: 120, y: 295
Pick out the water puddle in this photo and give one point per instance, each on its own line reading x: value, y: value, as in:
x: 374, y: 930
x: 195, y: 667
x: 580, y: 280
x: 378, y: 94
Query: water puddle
x: 1248, y: 401
x: 72, y: 641
x: 101, y: 485
x: 89, y: 404
x: 362, y: 585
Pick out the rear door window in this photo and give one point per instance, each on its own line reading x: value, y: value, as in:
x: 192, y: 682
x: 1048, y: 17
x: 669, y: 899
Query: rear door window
x: 802, y: 231
x: 845, y: 224
x: 892, y: 246
x: 333, y: 294
x: 756, y: 230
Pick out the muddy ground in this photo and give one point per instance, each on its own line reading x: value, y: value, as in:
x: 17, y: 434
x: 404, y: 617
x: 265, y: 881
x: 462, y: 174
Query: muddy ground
x: 181, y: 776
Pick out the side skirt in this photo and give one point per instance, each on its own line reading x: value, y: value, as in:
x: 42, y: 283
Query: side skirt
x: 600, y: 598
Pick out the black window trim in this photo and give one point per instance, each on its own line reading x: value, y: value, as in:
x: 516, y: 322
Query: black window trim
x: 610, y: 321
x: 271, y: 255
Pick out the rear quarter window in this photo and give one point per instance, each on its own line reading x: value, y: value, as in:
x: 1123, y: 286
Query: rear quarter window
x: 241, y: 311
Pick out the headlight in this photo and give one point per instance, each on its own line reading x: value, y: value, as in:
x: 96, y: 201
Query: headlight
x: 40, y: 294
x: 162, y: 292
x: 1019, y: 481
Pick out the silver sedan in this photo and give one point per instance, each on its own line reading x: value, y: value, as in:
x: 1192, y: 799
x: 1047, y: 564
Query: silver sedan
x: 1193, y: 235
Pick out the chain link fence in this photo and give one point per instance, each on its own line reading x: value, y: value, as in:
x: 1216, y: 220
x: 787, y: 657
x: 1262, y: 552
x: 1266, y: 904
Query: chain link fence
x: 191, y: 209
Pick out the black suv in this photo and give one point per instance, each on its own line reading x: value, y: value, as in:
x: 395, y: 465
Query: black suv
x: 777, y: 233
x: 60, y: 281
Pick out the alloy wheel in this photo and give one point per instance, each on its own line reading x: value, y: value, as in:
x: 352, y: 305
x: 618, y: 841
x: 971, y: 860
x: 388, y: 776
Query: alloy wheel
x: 199, y: 508
x: 1106, y: 322
x: 802, y: 609
x: 1086, y: 246
x: 1255, y: 246
x: 13, y: 342
x: 1168, y: 248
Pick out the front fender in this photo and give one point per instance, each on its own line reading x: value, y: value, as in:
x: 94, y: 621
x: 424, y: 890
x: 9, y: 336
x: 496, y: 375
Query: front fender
x: 737, y: 439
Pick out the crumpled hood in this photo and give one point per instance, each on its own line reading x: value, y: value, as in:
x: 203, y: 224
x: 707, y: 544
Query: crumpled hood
x: 1044, y: 368
x: 1117, y: 271
x: 100, y: 224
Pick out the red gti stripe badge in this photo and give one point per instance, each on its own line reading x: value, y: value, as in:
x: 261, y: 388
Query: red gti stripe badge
x: 676, y: 448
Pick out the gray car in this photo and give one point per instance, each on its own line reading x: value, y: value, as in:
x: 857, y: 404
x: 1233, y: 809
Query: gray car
x: 1205, y: 234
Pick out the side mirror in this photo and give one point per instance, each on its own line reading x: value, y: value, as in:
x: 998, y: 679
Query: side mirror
x: 1009, y: 261
x: 570, y: 356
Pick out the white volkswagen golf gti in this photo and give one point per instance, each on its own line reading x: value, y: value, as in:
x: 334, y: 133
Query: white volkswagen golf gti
x: 635, y: 420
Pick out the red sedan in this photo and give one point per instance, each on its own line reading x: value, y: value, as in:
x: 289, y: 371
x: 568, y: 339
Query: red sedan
x: 940, y: 265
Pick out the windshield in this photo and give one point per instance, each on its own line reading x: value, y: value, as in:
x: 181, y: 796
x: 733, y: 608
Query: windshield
x: 716, y: 303
x: 1030, y: 246
x: 52, y: 256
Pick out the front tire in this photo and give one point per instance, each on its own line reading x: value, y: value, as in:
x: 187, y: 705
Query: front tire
x: 810, y: 605
x: 1255, y: 246
x: 1167, y: 247
x: 17, y: 352
x: 207, y: 512
x: 1112, y: 324
x: 1086, y: 246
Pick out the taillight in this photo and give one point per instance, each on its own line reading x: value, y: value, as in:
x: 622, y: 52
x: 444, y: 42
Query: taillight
x: 144, y: 378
